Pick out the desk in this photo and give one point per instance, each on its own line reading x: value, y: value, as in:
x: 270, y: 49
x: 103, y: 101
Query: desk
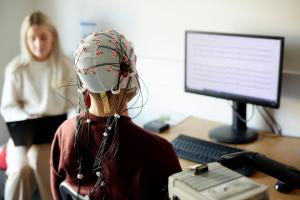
x: 280, y: 148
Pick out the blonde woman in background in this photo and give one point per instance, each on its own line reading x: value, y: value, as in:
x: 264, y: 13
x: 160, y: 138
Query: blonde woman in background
x: 30, y: 91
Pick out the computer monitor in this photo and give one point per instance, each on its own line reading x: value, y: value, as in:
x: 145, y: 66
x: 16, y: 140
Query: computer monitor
x: 238, y: 67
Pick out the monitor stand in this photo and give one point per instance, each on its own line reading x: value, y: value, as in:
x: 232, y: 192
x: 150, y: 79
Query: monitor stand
x: 237, y: 133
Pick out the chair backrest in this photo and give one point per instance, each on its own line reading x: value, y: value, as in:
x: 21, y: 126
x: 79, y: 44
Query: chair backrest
x: 67, y: 193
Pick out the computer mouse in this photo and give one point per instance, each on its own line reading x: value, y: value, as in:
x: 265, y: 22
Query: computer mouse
x: 283, y: 187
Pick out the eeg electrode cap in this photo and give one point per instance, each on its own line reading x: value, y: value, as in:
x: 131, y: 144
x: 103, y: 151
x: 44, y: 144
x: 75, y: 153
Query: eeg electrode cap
x: 104, y: 61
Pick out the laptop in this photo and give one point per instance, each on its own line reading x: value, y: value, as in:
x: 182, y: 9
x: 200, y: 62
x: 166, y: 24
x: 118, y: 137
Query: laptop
x: 35, y: 131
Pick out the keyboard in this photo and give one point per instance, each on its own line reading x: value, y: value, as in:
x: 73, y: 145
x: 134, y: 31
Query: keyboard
x: 201, y: 151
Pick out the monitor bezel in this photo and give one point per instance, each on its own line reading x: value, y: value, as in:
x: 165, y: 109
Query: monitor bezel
x: 235, y: 97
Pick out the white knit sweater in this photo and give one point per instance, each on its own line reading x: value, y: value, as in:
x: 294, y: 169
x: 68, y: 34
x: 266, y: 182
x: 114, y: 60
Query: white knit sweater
x: 27, y: 91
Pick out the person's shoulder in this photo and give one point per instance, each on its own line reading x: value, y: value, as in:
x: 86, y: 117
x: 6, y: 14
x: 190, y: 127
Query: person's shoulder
x: 156, y: 149
x: 67, y: 128
x: 150, y: 138
x: 15, y: 65
x: 70, y: 122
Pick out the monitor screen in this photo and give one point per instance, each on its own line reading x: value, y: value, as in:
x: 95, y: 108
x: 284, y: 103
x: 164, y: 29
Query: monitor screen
x: 242, y: 68
x: 237, y: 67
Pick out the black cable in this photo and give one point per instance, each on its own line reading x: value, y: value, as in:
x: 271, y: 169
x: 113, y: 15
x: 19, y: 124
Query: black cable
x: 277, y: 125
x: 140, y: 95
x: 245, y: 120
x: 266, y: 120
x: 269, y: 119
x: 64, y: 97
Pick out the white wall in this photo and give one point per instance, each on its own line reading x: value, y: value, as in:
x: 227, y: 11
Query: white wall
x: 12, y: 13
x: 65, y: 14
x: 157, y: 29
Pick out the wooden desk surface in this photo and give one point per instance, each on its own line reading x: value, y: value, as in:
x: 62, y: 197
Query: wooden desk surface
x: 280, y: 148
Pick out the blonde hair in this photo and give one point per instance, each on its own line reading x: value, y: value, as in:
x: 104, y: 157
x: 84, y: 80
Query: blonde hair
x: 40, y: 19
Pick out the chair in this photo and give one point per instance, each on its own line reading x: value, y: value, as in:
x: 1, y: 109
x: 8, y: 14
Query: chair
x: 67, y: 193
x: 2, y: 183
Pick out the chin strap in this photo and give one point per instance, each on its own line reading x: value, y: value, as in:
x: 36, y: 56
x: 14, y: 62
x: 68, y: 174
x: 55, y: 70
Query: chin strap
x: 106, y: 107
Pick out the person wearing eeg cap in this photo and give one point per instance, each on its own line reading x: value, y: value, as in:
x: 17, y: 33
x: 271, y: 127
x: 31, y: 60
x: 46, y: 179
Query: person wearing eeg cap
x: 102, y: 154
